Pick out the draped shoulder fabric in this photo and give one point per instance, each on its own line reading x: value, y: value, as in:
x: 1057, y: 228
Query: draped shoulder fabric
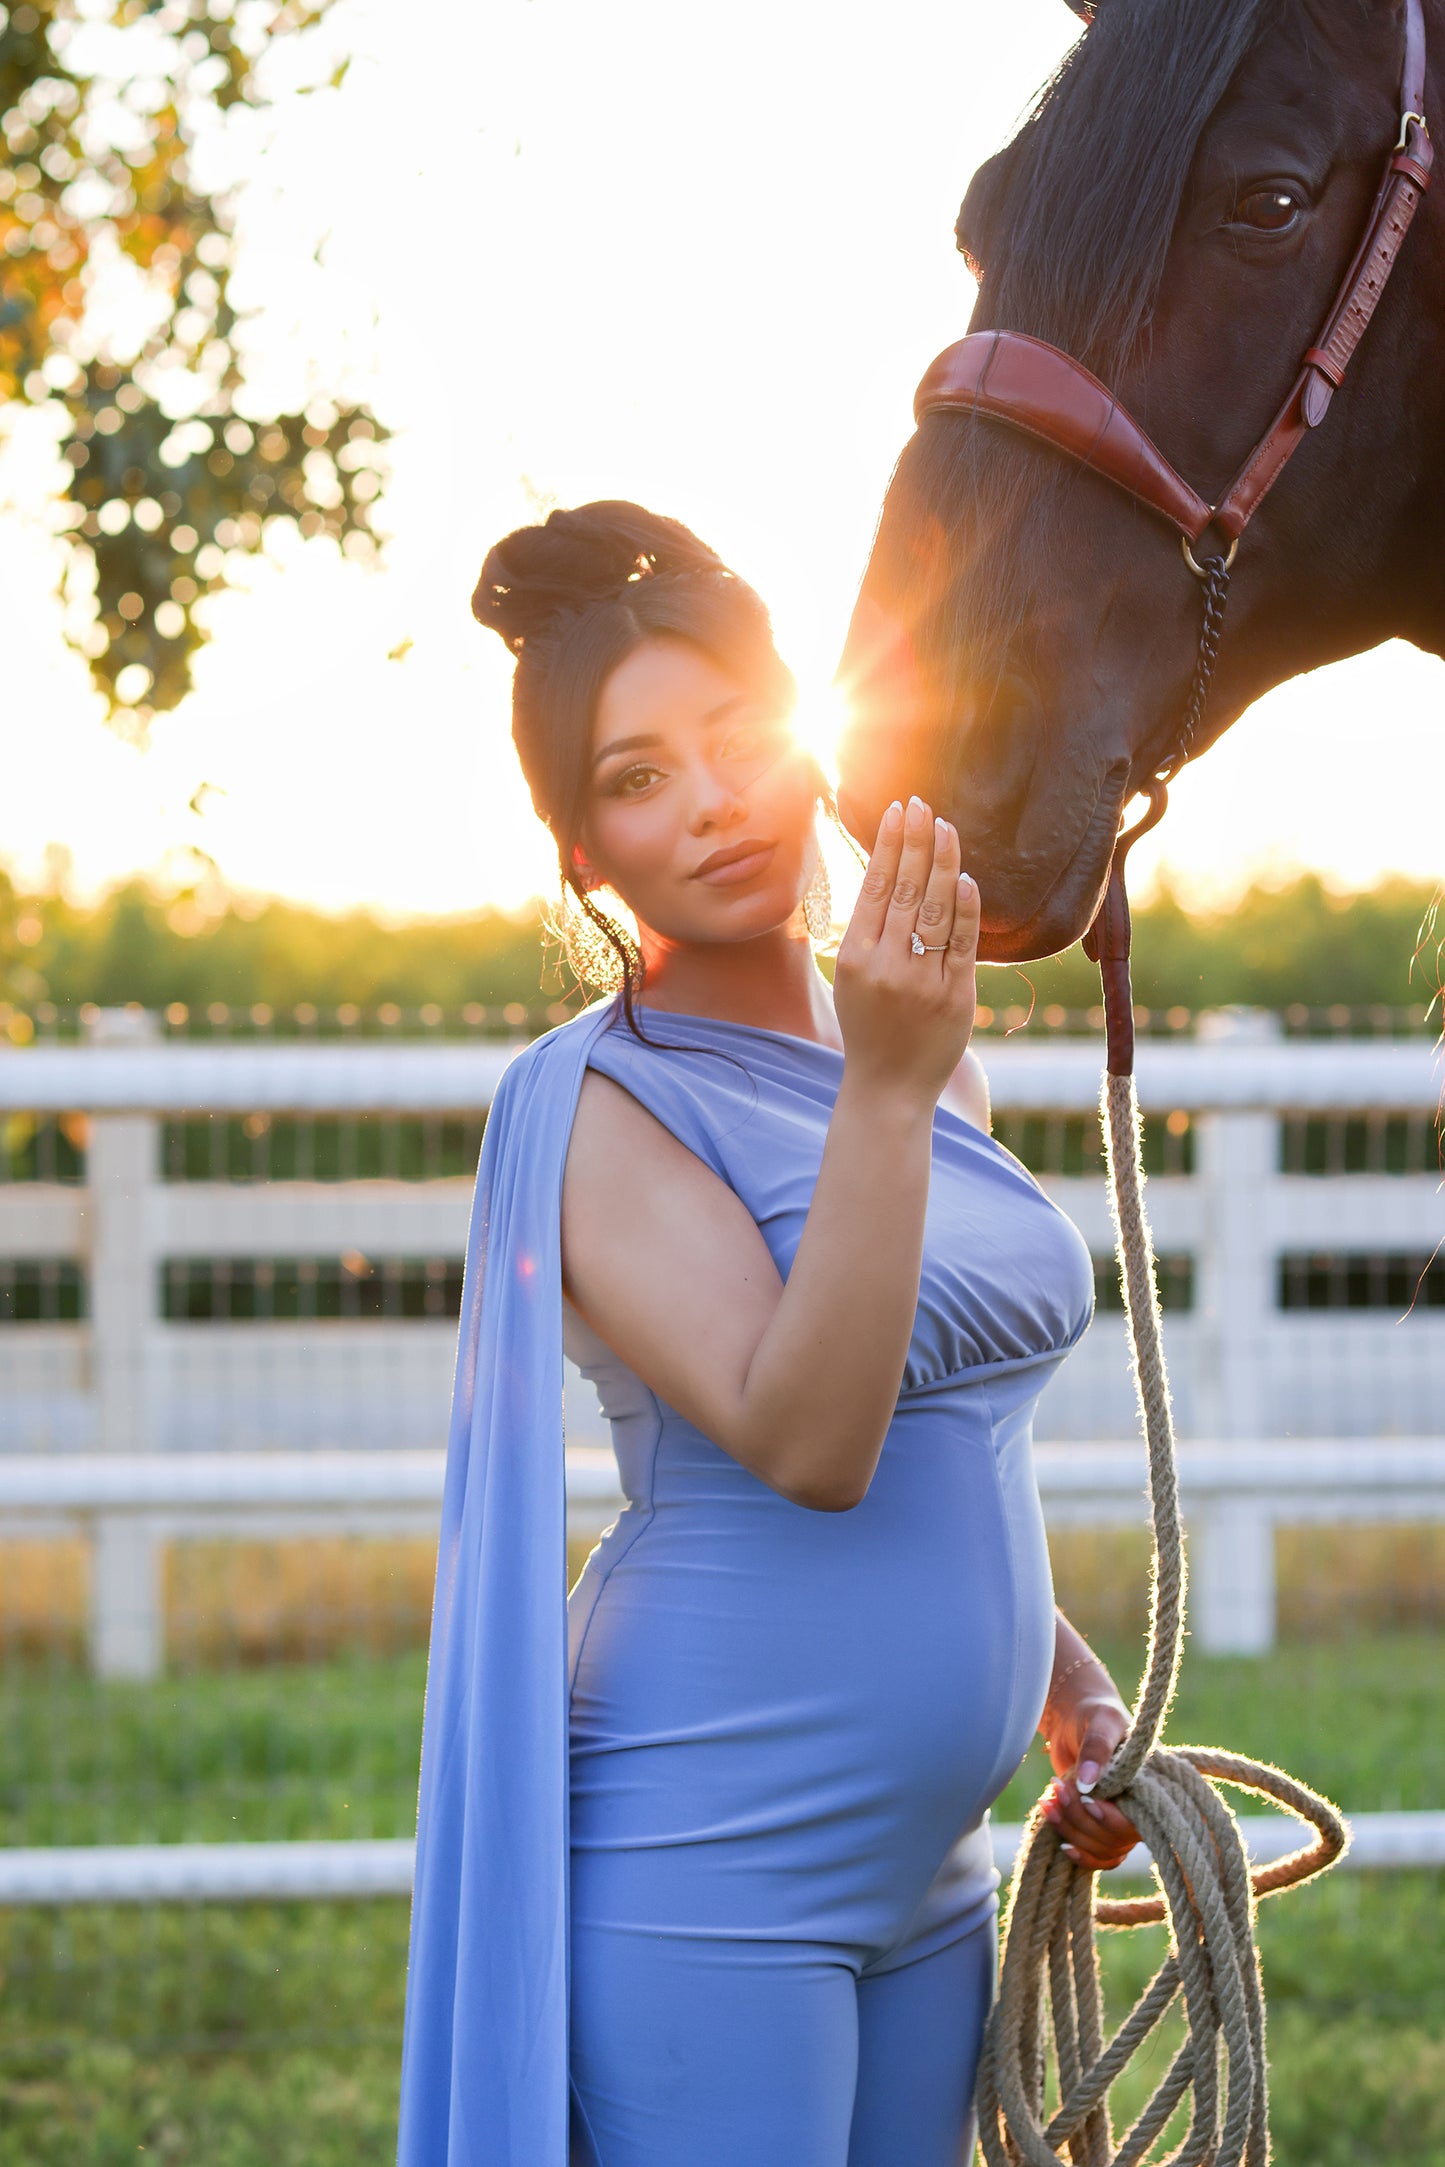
x: 484, y: 2058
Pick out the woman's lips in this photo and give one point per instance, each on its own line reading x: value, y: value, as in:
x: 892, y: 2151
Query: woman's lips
x: 734, y: 870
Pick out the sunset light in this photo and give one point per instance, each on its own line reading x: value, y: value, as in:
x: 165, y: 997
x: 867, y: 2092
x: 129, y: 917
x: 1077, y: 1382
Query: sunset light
x: 819, y: 721
x: 748, y: 369
x: 581, y: 1322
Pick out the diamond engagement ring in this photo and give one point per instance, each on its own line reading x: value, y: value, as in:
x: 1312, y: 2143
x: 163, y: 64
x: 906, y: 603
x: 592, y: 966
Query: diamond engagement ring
x: 922, y: 948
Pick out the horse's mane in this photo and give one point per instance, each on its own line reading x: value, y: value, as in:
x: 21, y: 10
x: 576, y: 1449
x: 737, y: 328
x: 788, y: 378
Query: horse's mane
x: 1070, y: 224
x: 1068, y: 227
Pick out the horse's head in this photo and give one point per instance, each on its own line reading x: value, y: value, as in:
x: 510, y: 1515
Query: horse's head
x: 1177, y: 214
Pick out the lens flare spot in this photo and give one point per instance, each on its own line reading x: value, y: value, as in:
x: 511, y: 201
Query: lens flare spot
x: 819, y: 721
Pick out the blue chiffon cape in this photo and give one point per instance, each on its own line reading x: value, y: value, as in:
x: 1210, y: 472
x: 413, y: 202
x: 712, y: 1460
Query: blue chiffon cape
x: 484, y: 2054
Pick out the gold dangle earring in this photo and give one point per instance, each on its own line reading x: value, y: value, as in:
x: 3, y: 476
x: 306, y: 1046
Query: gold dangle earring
x: 581, y: 929
x: 591, y: 957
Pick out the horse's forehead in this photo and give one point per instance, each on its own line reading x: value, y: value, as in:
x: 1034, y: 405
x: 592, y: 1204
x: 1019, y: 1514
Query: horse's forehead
x: 1303, y: 100
x: 1321, y: 61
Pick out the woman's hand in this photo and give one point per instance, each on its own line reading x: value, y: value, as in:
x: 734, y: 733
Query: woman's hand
x: 906, y: 1018
x: 1085, y: 1721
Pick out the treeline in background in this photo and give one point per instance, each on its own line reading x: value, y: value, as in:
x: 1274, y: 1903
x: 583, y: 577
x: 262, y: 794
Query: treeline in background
x: 1294, y: 942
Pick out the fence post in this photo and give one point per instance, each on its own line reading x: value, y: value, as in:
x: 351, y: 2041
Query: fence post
x: 122, y: 1168
x: 127, y: 1622
x: 1236, y: 1158
x: 1231, y: 1579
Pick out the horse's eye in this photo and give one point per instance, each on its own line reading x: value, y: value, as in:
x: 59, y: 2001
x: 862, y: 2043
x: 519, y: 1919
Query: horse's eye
x: 1267, y: 210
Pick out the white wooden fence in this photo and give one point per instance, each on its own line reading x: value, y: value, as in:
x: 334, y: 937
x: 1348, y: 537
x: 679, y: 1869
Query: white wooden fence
x: 98, y: 1417
x: 126, y: 1380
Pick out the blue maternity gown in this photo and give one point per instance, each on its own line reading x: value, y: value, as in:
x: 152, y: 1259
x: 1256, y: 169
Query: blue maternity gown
x: 707, y: 1883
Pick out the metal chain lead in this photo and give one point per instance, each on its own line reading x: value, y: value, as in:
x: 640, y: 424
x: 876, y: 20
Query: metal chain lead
x: 1216, y: 594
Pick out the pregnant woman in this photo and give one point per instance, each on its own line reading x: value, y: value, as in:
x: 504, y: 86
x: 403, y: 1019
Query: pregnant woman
x: 704, y: 1873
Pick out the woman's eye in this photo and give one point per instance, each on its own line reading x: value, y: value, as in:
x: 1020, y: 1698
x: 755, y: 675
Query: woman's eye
x: 752, y: 739
x: 631, y: 780
x: 1268, y: 210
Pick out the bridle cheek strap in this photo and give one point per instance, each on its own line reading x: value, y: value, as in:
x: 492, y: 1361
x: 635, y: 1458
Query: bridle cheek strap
x: 1407, y: 176
x: 1046, y: 393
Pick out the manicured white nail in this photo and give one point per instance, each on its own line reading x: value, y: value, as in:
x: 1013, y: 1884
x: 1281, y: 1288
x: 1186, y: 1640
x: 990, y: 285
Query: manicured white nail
x: 893, y: 818
x: 915, y: 811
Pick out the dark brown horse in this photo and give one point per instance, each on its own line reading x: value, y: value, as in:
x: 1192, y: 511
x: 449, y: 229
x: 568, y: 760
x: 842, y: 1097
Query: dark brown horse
x: 1177, y: 214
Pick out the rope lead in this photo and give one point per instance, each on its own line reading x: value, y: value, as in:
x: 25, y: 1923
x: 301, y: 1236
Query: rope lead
x: 1050, y: 2004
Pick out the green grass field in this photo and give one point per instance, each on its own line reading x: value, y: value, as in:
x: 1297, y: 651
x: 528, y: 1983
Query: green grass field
x: 267, y: 2036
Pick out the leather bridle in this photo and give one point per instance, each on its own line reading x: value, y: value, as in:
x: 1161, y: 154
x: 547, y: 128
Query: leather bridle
x: 1007, y: 376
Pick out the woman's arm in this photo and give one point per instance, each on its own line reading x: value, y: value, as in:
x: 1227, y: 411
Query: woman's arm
x: 798, y: 1381
x: 1084, y: 1720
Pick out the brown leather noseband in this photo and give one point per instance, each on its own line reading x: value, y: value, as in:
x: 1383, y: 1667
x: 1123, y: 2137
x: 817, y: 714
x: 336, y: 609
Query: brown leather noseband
x: 1037, y: 388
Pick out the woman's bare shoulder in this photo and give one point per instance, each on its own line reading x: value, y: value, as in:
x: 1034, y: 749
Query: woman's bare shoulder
x: 661, y: 1257
x: 629, y: 1181
x: 610, y: 1119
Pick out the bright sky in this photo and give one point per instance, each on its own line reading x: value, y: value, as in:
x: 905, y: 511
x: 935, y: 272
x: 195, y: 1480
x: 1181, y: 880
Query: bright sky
x: 697, y: 257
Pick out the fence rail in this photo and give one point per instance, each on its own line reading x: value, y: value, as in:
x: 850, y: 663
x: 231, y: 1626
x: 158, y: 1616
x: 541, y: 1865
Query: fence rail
x: 193, y: 1873
x: 1235, y: 1496
x: 1240, y: 1062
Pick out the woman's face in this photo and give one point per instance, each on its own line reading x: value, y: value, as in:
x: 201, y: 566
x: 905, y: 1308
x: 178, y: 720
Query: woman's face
x: 702, y: 802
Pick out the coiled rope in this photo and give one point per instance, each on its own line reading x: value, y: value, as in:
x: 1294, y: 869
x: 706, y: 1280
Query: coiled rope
x: 1045, y: 2036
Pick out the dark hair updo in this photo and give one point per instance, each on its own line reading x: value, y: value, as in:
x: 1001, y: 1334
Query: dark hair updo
x: 573, y: 597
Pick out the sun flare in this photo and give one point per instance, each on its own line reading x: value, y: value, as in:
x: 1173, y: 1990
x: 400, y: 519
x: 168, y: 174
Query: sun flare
x: 819, y: 721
